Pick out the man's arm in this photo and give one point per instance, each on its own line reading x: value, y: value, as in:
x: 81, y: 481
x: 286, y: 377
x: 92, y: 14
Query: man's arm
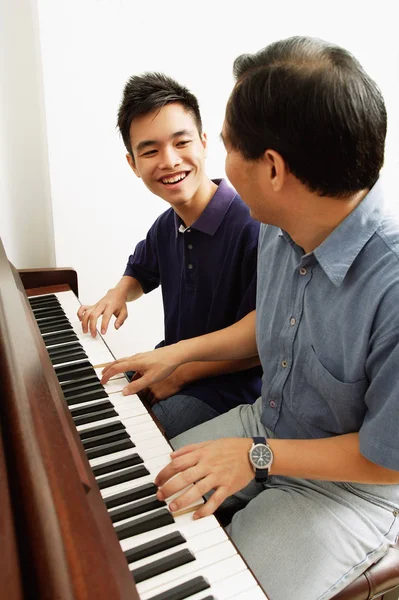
x: 223, y: 465
x: 113, y: 303
x: 236, y: 342
x: 189, y: 372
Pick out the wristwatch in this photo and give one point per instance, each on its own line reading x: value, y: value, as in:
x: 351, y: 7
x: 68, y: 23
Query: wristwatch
x: 261, y: 458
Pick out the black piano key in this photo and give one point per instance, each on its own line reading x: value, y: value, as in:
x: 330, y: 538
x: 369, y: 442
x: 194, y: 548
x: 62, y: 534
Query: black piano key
x: 45, y: 329
x: 45, y: 319
x: 154, y: 546
x: 52, y: 319
x: 85, y: 384
x: 68, y: 358
x: 48, y: 321
x: 48, y: 311
x: 90, y: 408
x: 109, y: 448
x: 46, y: 305
x: 97, y: 416
x: 111, y: 436
x: 117, y: 463
x: 56, y: 350
x: 135, y: 508
x: 74, y: 372
x: 100, y: 429
x: 155, y: 520
x: 143, y: 491
x: 54, y: 339
x: 43, y: 298
x: 185, y: 590
x: 162, y: 565
x: 86, y: 396
x: 129, y: 474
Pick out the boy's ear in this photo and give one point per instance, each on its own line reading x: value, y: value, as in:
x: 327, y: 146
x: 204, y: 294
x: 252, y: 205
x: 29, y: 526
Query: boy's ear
x: 132, y: 164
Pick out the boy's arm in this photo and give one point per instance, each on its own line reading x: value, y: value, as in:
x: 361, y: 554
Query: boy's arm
x: 113, y: 303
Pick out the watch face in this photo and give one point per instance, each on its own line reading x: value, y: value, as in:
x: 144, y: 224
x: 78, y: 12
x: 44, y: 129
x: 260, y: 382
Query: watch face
x: 261, y: 456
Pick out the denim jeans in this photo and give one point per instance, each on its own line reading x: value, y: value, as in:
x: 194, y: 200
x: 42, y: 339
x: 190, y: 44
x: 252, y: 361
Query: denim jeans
x: 303, y: 539
x: 180, y: 412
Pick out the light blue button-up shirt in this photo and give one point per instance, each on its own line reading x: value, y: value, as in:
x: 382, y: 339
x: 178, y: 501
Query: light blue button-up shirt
x: 328, y: 332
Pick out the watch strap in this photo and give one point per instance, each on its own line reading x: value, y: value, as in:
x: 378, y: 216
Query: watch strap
x: 259, y: 440
x: 261, y: 475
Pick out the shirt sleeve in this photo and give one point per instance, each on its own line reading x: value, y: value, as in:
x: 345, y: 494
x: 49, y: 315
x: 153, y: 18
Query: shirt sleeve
x: 379, y: 440
x: 143, y: 263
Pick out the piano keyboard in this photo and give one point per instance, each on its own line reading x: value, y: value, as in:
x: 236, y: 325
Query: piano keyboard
x: 172, y: 557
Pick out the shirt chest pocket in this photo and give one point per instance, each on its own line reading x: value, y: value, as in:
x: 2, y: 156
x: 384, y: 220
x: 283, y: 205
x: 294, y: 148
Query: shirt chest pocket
x: 326, y: 402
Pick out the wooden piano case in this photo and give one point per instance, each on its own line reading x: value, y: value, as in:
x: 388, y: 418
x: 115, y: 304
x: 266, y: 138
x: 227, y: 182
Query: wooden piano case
x: 57, y: 541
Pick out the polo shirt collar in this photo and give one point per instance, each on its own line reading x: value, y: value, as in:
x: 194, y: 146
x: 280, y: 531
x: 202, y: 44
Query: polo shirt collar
x: 210, y: 219
x: 339, y: 250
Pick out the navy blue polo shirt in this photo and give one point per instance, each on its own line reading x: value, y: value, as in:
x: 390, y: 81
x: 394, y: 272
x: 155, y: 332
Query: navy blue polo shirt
x: 208, y: 277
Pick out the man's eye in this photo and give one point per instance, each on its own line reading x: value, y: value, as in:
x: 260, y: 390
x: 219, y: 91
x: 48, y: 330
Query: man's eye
x: 149, y: 153
x: 183, y: 143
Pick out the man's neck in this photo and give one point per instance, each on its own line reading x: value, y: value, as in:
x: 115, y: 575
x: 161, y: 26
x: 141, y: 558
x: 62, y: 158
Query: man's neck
x: 317, y: 218
x: 190, y: 211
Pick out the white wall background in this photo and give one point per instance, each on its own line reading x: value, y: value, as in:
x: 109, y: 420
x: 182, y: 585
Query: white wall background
x: 88, y: 50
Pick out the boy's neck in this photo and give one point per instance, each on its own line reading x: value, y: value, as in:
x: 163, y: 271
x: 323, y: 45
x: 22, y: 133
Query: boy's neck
x: 190, y: 211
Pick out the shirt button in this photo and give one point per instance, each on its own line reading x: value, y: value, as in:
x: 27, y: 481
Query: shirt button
x: 190, y: 246
x: 284, y: 364
x: 190, y: 266
x: 188, y: 230
x: 292, y: 321
x: 272, y: 404
x: 303, y: 271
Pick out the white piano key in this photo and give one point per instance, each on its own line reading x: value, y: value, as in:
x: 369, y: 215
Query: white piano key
x: 254, y: 593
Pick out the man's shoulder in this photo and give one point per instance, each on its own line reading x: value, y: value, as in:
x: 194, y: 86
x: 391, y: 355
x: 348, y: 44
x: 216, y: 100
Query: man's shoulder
x: 387, y: 236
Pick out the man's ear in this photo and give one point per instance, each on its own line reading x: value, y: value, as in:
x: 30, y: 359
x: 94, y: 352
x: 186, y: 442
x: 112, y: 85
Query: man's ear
x: 132, y: 164
x: 276, y: 169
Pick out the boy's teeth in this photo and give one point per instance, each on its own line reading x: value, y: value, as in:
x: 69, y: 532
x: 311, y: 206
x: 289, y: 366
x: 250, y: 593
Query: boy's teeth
x: 174, y: 179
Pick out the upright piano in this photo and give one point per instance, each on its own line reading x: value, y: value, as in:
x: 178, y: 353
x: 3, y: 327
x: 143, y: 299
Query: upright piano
x: 79, y: 519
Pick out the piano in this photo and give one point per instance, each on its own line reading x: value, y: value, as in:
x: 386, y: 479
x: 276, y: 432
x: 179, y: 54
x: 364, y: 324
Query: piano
x: 79, y: 519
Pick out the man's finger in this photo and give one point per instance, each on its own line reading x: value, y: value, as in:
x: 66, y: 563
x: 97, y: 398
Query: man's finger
x: 118, y: 366
x: 193, y: 494
x: 217, y: 498
x: 188, y: 448
x: 136, y: 386
x: 176, y: 466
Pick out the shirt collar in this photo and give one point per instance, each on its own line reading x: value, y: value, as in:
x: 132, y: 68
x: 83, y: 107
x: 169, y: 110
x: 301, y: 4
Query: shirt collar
x: 339, y: 250
x: 209, y: 220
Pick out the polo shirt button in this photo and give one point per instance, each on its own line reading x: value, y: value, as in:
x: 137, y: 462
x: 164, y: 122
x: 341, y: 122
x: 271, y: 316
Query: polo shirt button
x: 272, y: 404
x: 190, y: 246
x: 303, y: 271
x: 190, y: 266
x: 292, y: 321
x: 188, y: 230
x: 284, y: 364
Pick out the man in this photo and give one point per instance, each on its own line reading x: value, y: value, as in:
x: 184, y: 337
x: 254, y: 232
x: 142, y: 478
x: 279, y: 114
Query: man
x: 304, y: 132
x: 202, y: 251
